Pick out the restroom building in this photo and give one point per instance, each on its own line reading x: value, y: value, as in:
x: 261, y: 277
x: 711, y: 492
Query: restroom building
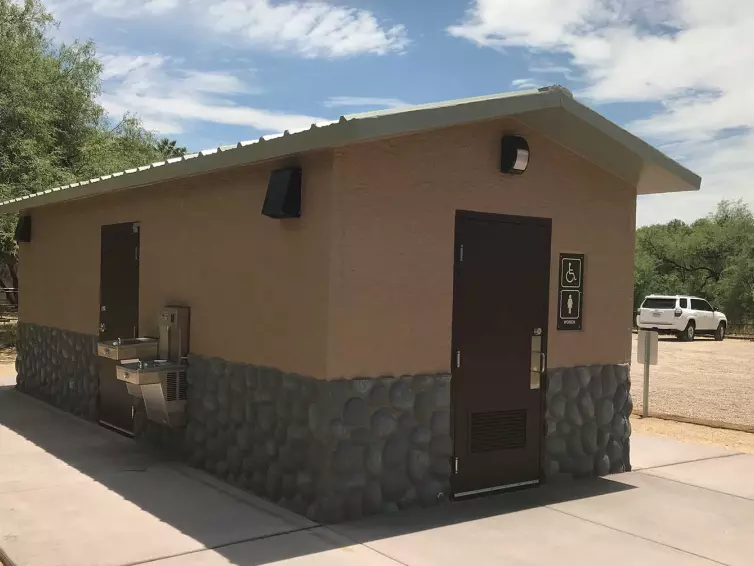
x: 392, y: 309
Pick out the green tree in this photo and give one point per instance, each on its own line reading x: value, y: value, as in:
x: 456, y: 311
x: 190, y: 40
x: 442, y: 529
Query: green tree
x: 713, y: 257
x: 52, y: 130
x: 168, y: 148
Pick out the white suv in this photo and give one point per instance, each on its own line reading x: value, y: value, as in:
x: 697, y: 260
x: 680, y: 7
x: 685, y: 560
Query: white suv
x: 681, y: 315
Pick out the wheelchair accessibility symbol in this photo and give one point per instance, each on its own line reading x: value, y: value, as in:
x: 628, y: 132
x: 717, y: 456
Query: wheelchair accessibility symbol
x: 570, y: 276
x: 571, y: 273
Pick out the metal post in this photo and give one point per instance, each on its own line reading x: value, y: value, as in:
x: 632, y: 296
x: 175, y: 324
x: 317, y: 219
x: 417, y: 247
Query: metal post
x: 645, y: 404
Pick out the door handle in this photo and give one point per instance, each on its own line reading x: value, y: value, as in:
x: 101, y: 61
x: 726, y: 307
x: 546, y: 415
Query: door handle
x: 542, y: 362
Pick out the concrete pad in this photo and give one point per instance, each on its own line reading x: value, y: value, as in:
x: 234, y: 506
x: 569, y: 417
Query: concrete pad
x: 316, y: 547
x: 528, y: 537
x: 38, y: 472
x: 732, y: 475
x: 652, y: 451
x: 73, y: 493
x: 696, y: 520
x: 124, y: 518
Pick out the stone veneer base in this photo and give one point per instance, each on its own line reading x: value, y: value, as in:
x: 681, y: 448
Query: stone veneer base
x: 587, y: 418
x: 333, y: 450
x: 58, y: 366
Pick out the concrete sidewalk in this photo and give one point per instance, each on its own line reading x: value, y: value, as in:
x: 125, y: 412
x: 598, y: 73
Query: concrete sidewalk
x: 72, y: 493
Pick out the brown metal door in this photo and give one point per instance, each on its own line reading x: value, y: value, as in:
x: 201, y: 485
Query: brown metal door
x: 119, y: 316
x: 500, y: 309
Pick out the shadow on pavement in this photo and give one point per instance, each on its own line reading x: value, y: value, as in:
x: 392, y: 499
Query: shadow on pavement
x: 414, y: 520
x: 218, y: 516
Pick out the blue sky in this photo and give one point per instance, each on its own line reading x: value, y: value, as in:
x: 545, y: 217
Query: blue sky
x: 213, y: 72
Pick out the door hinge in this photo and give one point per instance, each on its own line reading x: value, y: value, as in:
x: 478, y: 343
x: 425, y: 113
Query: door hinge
x: 136, y: 254
x: 455, y: 466
x: 460, y: 254
x: 133, y: 411
x: 458, y: 358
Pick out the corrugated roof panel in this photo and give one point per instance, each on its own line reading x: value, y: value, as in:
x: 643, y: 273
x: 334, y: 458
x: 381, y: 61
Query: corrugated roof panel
x: 380, y: 123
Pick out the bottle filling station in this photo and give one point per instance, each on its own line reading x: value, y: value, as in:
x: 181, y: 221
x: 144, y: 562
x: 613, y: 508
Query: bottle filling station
x: 154, y: 369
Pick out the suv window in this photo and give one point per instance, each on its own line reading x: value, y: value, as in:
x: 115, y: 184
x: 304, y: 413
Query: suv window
x: 658, y: 304
x: 700, y: 305
x: 684, y: 303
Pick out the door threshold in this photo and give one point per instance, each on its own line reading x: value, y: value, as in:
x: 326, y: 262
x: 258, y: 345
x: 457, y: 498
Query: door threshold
x: 116, y: 428
x: 496, y: 488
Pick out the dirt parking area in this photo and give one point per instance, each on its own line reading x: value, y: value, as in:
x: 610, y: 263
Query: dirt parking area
x: 702, y: 380
x: 733, y: 440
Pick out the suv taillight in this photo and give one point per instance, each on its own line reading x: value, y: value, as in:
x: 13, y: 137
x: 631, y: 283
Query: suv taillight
x: 678, y: 313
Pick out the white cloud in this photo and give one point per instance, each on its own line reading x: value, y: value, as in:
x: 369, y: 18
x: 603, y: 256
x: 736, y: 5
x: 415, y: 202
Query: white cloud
x: 310, y: 28
x: 119, y: 66
x: 355, y: 101
x: 168, y: 98
x: 693, y: 56
x: 550, y: 69
x: 524, y: 84
x: 114, y: 8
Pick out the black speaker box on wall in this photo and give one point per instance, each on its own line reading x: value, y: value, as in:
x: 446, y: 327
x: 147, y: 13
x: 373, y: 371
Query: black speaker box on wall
x: 283, y: 199
x: 23, y: 229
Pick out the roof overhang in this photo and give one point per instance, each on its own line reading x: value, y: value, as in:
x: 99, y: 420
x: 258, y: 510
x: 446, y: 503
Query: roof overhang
x: 551, y: 111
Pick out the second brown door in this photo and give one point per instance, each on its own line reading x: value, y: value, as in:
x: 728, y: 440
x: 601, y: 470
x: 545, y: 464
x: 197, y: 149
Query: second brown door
x: 500, y: 311
x: 119, y: 316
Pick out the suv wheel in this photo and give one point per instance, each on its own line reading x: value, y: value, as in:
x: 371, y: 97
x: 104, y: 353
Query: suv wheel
x: 720, y: 332
x: 689, y: 334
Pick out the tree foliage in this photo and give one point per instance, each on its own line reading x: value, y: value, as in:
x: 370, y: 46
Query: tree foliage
x: 168, y: 148
x: 712, y: 258
x: 52, y: 129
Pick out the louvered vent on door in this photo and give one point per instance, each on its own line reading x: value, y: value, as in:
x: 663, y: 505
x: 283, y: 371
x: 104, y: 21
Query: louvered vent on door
x: 498, y: 430
x: 182, y: 386
x: 171, y: 380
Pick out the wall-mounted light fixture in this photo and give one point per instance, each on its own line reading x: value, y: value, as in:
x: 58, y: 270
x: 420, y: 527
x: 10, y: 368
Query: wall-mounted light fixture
x: 514, y: 155
x: 23, y: 229
x: 283, y: 199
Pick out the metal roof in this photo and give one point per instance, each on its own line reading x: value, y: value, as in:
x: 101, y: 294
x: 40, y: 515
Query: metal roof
x: 550, y: 110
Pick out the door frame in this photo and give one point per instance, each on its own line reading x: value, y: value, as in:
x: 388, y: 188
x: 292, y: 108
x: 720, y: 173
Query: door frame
x: 104, y: 423
x: 461, y: 215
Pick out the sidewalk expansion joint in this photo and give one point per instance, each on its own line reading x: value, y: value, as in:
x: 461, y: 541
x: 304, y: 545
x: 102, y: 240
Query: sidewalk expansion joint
x: 712, y: 490
x: 719, y: 456
x: 634, y: 535
x: 220, y: 546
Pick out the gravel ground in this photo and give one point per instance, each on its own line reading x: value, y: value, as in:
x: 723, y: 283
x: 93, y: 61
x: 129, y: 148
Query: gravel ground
x: 730, y: 439
x: 703, y: 380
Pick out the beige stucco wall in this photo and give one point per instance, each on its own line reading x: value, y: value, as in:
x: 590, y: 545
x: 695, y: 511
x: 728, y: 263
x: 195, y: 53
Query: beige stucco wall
x: 257, y: 287
x: 362, y: 283
x: 393, y: 269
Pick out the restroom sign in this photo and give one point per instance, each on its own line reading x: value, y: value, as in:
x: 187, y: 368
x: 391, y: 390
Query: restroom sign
x: 571, y: 291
